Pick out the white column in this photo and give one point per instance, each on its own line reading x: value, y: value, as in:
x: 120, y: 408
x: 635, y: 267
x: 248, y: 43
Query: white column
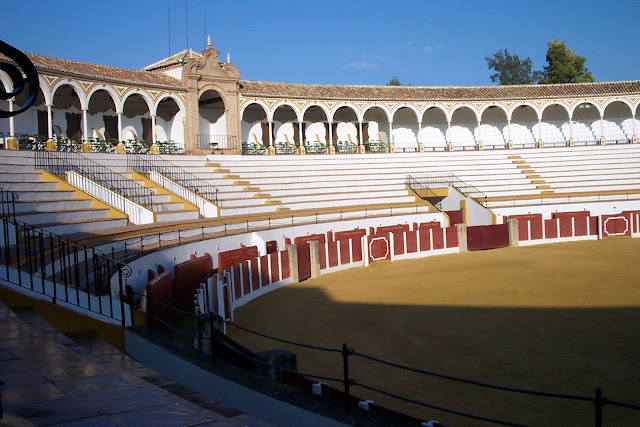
x: 448, y: 132
x: 270, y: 133
x: 330, y: 124
x: 49, y: 122
x: 540, y: 129
x: 570, y: 127
x: 360, y: 142
x: 12, y: 130
x: 390, y: 133
x: 153, y: 129
x: 601, y: 127
x: 301, y: 136
x: 508, y: 130
x: 479, y: 134
x: 85, y: 133
x: 419, y: 129
x: 633, y: 123
x: 119, y: 126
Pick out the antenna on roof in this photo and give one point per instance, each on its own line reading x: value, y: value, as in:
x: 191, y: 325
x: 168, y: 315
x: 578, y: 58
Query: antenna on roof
x: 169, y: 17
x: 186, y: 22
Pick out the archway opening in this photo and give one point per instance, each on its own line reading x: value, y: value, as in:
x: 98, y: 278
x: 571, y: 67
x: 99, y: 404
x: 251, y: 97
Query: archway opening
x: 551, y: 129
x: 136, y: 120
x: 285, y: 125
x: 434, y: 129
x: 584, y: 117
x: 67, y: 114
x: 170, y: 124
x: 102, y: 117
x: 614, y: 129
x: 405, y: 130
x: 463, y: 129
x: 523, y: 119
x: 490, y: 132
x: 255, y: 128
x: 212, y: 126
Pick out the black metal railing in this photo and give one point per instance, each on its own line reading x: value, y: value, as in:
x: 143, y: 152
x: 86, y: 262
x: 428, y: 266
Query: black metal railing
x: 217, y: 142
x: 8, y: 203
x: 439, y: 180
x: 147, y: 163
x: 60, y: 271
x: 58, y: 163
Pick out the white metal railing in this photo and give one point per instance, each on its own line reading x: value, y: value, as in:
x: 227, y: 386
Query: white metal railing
x: 207, y: 209
x: 137, y: 213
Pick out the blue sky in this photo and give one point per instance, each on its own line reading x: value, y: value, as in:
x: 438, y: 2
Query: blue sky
x: 334, y: 42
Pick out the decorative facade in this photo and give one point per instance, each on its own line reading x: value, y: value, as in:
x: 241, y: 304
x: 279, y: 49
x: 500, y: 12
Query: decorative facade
x: 199, y: 103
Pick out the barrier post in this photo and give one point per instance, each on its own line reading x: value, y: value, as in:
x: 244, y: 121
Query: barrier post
x: 514, y: 234
x: 314, y: 254
x: 461, y: 230
x: 345, y: 367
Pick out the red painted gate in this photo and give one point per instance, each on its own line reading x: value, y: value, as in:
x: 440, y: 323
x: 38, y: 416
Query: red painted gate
x: 481, y: 237
x: 304, y: 261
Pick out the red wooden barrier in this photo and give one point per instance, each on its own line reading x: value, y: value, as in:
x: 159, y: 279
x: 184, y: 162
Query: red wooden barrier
x: 228, y: 258
x: 487, y: 237
x: 188, y: 276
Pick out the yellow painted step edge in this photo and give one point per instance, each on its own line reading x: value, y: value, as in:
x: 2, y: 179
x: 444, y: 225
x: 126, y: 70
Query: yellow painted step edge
x: 79, y: 194
x: 173, y: 198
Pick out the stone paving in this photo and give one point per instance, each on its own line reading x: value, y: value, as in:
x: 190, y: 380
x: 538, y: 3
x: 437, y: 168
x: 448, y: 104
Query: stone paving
x: 52, y: 379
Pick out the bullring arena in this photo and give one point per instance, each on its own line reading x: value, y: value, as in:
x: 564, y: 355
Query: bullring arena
x: 481, y: 233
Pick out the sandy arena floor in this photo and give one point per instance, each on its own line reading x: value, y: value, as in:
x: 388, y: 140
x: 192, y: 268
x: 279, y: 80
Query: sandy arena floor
x: 562, y: 318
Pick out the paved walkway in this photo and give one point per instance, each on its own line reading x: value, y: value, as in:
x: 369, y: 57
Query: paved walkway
x: 52, y: 379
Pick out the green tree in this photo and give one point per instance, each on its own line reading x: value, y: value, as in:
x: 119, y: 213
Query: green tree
x: 511, y: 70
x: 394, y: 81
x: 564, y: 65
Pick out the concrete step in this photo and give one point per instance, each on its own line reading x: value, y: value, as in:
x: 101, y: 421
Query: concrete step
x: 29, y: 196
x: 177, y: 215
x: 50, y: 205
x: 85, y: 226
x: 29, y: 186
x: 44, y: 217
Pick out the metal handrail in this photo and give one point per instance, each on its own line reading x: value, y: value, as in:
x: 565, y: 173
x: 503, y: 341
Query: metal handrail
x: 146, y: 163
x: 58, y: 163
x: 217, y: 142
x: 8, y: 203
x: 447, y: 179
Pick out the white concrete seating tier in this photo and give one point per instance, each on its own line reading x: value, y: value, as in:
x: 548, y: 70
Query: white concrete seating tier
x: 42, y: 203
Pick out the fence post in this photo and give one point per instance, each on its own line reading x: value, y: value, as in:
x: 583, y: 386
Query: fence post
x: 347, y: 381
x: 211, y: 339
x: 599, y: 402
x: 121, y: 294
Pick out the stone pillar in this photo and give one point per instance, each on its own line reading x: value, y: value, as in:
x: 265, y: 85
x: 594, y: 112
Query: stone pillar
x: 462, y: 237
x: 300, y: 135
x: 119, y: 126
x: 293, y: 263
x: 153, y: 129
x: 314, y: 253
x: 514, y: 237
x: 49, y: 122
x: 270, y: 133
x: 12, y: 126
x: 85, y: 125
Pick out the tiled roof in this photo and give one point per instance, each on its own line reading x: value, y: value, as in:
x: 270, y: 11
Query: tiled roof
x: 102, y: 72
x: 251, y: 88
x: 174, y: 59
